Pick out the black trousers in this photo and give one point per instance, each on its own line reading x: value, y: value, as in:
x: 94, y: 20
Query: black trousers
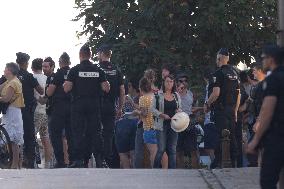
x: 29, y: 135
x: 59, y: 123
x: 272, y: 162
x: 86, y: 128
x: 224, y: 118
x: 108, y: 122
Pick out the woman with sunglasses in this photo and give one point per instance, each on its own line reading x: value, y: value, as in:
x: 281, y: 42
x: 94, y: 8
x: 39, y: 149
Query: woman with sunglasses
x: 165, y: 104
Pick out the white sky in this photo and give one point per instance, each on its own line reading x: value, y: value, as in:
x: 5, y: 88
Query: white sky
x: 40, y: 28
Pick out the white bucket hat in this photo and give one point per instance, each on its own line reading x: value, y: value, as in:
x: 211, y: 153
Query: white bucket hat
x: 180, y: 122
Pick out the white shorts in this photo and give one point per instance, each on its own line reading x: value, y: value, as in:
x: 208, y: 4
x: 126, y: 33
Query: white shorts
x: 13, y: 123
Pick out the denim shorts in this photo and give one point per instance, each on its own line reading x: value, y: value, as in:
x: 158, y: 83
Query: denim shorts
x: 150, y: 137
x: 125, y: 132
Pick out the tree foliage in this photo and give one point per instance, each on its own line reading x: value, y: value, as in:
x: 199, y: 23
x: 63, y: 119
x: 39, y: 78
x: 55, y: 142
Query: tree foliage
x: 147, y: 33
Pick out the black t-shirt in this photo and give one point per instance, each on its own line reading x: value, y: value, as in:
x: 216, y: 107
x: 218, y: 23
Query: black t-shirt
x: 49, y: 98
x: 170, y: 109
x: 115, y: 79
x: 226, y: 78
x: 86, y: 78
x: 58, y: 80
x: 257, y: 95
x: 29, y: 83
x: 274, y: 86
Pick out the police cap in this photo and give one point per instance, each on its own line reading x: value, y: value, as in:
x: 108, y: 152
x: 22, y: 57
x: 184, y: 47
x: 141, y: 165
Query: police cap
x: 104, y: 48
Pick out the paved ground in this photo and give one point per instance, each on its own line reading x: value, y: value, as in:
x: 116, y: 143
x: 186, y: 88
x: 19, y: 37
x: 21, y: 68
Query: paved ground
x: 129, y: 179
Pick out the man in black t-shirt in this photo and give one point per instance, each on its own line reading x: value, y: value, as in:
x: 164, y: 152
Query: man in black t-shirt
x: 29, y: 84
x: 60, y: 119
x: 85, y: 81
x: 224, y: 102
x: 116, y: 96
x: 270, y: 124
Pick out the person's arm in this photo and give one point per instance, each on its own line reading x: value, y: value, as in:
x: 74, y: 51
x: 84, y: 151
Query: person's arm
x: 263, y: 122
x: 39, y: 89
x: 35, y: 84
x: 9, y: 94
x: 121, y: 97
x: 156, y: 112
x: 214, y: 96
x: 50, y: 90
x: 237, y: 104
x: 105, y: 86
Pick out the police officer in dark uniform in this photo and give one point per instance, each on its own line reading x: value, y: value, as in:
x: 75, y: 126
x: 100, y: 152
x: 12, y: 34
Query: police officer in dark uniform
x: 29, y: 84
x: 86, y: 80
x: 48, y: 70
x: 270, y: 124
x: 224, y: 103
x: 116, y: 96
x: 61, y: 112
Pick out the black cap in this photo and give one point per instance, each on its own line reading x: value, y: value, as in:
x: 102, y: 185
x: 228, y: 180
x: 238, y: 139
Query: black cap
x: 104, y: 48
x: 22, y: 57
x: 223, y: 51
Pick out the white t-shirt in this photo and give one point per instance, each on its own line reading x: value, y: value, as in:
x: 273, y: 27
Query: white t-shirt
x: 41, y: 78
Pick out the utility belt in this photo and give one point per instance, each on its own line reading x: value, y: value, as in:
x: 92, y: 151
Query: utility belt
x: 79, y: 97
x: 222, y: 107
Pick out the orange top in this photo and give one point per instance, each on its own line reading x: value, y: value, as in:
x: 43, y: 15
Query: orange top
x: 145, y: 103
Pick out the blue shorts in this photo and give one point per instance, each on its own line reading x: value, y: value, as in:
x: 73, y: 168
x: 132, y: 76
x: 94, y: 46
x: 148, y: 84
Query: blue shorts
x: 150, y: 137
x: 125, y: 132
x: 210, y: 136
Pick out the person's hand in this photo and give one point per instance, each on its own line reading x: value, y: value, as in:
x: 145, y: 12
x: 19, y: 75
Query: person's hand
x: 256, y: 126
x: 252, y: 146
x: 165, y: 117
x: 206, y: 108
x: 196, y: 109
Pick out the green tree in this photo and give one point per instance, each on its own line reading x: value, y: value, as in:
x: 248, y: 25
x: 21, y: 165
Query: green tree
x: 147, y: 33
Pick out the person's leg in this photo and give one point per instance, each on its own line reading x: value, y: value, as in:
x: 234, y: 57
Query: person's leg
x: 65, y: 150
x: 180, y: 150
x: 191, y: 146
x: 152, y: 148
x: 165, y: 161
x: 68, y: 134
x: 29, y: 136
x: 56, y: 127
x: 161, y: 142
x: 172, y: 138
x: 16, y: 156
x: 139, y: 149
x: 272, y: 164
x: 125, y: 160
x: 108, y: 122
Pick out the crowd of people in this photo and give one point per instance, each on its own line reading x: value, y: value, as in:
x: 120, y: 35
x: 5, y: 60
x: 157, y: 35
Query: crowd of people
x: 91, y: 110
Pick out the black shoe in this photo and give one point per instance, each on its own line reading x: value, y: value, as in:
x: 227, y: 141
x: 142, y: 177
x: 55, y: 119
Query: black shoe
x: 104, y: 165
x: 60, y: 165
x: 214, y: 165
x: 77, y: 164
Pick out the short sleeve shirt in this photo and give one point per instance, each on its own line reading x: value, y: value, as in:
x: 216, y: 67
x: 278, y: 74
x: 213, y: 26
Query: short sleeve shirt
x: 274, y: 86
x: 29, y: 83
x: 59, y: 79
x: 18, y: 98
x: 145, y: 102
x: 41, y: 78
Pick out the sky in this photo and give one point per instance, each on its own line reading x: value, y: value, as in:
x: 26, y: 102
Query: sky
x: 40, y: 28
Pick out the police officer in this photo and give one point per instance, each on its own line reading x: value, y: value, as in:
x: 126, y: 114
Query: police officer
x: 224, y: 102
x: 86, y: 80
x: 61, y: 112
x: 117, y: 92
x: 270, y: 124
x: 48, y: 66
x: 29, y: 84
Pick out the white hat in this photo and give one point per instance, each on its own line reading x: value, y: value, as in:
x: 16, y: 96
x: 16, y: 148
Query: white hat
x: 180, y: 122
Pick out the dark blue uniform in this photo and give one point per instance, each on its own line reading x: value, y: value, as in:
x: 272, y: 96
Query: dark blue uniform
x: 29, y: 83
x: 60, y: 117
x: 49, y: 98
x: 226, y: 78
x: 273, y: 143
x: 115, y: 79
x: 86, y: 126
